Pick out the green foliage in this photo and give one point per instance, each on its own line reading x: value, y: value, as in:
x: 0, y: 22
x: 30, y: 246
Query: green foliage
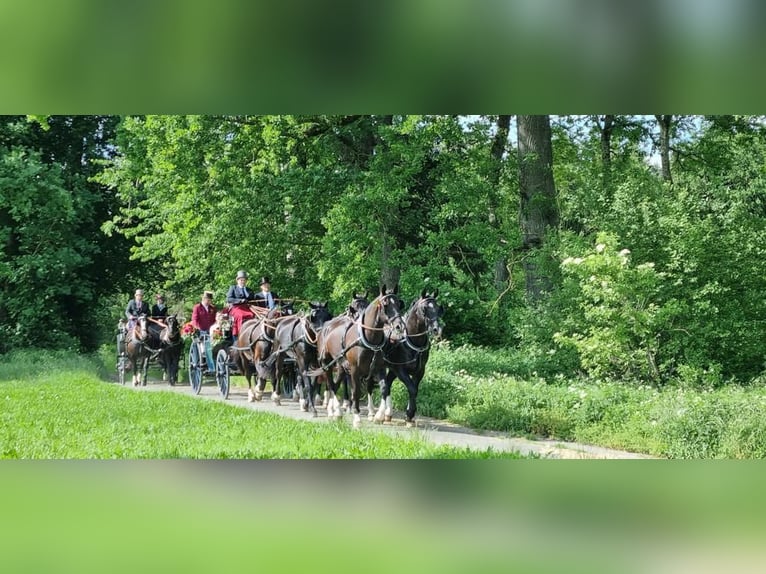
x: 620, y: 315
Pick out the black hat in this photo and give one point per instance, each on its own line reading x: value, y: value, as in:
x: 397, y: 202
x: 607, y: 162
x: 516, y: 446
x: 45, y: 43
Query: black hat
x: 242, y: 274
x: 265, y: 279
x: 208, y: 294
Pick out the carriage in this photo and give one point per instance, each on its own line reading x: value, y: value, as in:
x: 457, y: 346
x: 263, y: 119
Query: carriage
x: 211, y: 357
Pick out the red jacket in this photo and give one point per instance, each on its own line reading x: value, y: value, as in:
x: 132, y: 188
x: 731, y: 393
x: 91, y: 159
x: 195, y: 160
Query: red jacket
x: 202, y: 319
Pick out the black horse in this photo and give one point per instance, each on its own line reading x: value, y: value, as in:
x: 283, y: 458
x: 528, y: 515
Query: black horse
x: 406, y: 355
x: 167, y: 344
x: 355, y: 347
x: 138, y: 350
x: 295, y: 337
x: 254, y: 345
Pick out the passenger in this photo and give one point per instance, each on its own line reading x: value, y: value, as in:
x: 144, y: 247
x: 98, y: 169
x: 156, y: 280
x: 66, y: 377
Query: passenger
x: 159, y: 309
x: 266, y: 298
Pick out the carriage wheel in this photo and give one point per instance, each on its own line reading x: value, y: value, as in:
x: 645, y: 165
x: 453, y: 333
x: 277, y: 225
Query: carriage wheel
x: 122, y: 366
x: 222, y: 372
x: 195, y: 368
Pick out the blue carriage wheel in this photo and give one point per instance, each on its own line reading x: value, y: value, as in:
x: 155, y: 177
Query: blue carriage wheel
x: 195, y: 368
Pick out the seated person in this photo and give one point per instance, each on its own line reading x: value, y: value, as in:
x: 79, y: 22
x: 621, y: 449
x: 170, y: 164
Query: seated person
x: 265, y: 298
x: 158, y: 316
x: 238, y: 297
x: 159, y: 309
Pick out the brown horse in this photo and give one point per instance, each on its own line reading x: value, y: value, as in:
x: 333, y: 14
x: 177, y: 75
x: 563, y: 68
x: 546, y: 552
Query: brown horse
x: 406, y: 355
x: 138, y: 350
x: 296, y: 337
x: 355, y: 346
x: 353, y: 310
x: 254, y: 345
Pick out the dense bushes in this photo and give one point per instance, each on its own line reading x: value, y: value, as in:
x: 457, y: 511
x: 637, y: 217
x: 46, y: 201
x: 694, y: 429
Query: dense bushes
x: 479, y: 388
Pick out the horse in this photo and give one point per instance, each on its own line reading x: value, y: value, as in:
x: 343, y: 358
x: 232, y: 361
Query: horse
x: 354, y: 309
x: 138, y: 350
x: 296, y: 337
x: 406, y: 356
x: 171, y: 346
x: 254, y: 345
x: 356, y: 345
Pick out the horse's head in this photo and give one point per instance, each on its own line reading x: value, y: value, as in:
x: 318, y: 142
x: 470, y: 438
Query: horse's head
x: 287, y: 308
x: 359, y: 303
x: 388, y: 306
x: 430, y: 312
x: 172, y: 327
x: 319, y: 315
x: 140, y: 330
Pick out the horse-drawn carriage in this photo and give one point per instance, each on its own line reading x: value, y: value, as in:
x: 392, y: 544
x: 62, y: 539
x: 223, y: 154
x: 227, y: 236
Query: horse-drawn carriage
x: 218, y: 355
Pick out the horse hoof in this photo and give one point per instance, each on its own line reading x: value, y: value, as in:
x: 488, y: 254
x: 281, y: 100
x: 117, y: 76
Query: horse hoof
x: 409, y: 424
x: 387, y: 419
x: 164, y: 377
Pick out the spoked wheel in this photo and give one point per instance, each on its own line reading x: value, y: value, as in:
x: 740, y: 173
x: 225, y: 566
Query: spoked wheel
x: 222, y: 372
x: 122, y: 366
x: 195, y: 368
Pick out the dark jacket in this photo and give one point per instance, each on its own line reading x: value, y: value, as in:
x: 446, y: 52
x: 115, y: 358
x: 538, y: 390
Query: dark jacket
x: 261, y: 301
x: 239, y: 295
x: 134, y: 310
x: 158, y: 313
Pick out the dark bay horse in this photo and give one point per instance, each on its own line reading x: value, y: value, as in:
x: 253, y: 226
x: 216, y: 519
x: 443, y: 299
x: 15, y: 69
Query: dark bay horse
x: 138, y: 350
x: 254, y: 345
x: 354, y: 309
x: 355, y: 346
x: 171, y: 346
x: 296, y: 337
x: 406, y: 355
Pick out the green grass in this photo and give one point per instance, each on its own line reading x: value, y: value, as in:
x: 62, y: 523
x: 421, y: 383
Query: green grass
x: 58, y: 406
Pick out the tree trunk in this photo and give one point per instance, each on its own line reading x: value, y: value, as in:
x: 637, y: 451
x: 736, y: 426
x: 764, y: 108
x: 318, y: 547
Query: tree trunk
x: 499, y: 145
x: 538, y: 211
x: 665, y: 123
x: 606, y: 127
x: 389, y: 274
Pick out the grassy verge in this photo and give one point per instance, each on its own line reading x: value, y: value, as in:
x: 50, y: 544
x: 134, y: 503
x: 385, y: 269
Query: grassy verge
x: 482, y: 389
x: 57, y: 406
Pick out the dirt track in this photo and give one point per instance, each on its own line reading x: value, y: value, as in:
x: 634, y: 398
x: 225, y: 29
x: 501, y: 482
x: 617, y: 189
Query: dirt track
x: 437, y: 431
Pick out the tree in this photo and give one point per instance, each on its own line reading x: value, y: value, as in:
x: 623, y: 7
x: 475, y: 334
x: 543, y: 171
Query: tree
x: 538, y: 211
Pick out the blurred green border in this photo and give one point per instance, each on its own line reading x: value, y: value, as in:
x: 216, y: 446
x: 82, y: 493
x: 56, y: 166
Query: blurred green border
x: 530, y: 56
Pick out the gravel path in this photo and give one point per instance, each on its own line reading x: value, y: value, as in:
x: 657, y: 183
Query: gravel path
x: 437, y: 431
